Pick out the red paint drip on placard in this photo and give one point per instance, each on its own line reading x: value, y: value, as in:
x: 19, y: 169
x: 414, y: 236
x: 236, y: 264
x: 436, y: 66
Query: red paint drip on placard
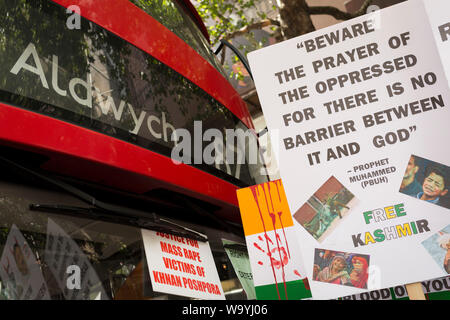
x: 306, y: 284
x: 281, y: 222
x: 305, y: 280
x: 283, y: 256
x: 268, y: 239
x: 254, y: 192
x: 273, y: 218
x: 258, y: 247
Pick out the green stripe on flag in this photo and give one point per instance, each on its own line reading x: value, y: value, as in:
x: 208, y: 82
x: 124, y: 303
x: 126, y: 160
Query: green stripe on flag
x: 296, y: 290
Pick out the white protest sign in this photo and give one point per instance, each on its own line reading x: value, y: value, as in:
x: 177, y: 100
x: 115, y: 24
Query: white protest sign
x: 20, y: 271
x: 438, y: 13
x: 436, y: 285
x: 382, y: 294
x: 361, y: 113
x: 241, y: 264
x: 181, y: 266
x: 62, y: 252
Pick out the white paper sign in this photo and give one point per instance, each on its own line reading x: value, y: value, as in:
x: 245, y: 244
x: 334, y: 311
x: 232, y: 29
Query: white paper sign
x: 181, y: 266
x: 20, y: 271
x: 436, y: 285
x: 61, y: 251
x: 438, y: 13
x: 241, y: 265
x: 361, y: 113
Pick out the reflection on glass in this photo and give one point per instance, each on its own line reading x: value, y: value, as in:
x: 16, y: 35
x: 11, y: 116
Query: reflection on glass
x: 61, y: 252
x: 37, y: 250
x: 172, y: 16
x: 94, y: 79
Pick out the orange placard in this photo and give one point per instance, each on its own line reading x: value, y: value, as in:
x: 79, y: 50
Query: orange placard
x: 264, y: 207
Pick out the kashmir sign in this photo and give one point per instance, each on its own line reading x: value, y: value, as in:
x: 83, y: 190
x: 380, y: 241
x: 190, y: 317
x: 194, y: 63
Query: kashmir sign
x: 360, y: 113
x: 181, y: 266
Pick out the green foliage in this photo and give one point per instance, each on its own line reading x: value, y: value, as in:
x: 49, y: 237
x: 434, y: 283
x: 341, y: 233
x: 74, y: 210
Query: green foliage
x: 228, y: 16
x: 227, y: 19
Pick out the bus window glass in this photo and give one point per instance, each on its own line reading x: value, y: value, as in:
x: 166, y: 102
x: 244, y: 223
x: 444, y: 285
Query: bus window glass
x: 51, y: 256
x: 94, y: 79
x: 170, y: 14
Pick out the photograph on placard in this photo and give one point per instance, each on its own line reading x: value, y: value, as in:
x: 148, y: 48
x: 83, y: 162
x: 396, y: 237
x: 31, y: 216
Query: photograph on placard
x: 324, y: 210
x: 426, y: 180
x: 343, y: 268
x: 438, y: 246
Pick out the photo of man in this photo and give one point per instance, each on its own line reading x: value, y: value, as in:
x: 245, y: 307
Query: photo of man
x: 20, y: 260
x: 20, y: 272
x: 410, y: 185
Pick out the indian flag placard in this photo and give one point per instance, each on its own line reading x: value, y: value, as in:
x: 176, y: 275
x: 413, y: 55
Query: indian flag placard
x: 275, y: 259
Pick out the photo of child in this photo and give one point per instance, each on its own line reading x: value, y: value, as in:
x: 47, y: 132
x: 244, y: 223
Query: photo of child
x: 325, y: 208
x: 348, y: 269
x: 438, y: 246
x: 426, y: 180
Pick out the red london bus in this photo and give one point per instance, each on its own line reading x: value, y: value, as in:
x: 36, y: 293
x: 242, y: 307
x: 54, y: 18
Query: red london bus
x: 92, y: 94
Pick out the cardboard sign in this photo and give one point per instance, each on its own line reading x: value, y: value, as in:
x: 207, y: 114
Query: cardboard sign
x: 181, y: 266
x: 275, y: 259
x: 360, y: 114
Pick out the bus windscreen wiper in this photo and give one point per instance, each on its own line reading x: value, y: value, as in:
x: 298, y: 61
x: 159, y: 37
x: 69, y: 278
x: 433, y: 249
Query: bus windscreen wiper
x: 100, y: 209
x: 153, y: 223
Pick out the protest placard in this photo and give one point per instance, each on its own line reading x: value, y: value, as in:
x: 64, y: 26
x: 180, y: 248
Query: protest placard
x: 61, y: 253
x: 181, y: 266
x: 361, y: 113
x: 20, y: 270
x: 275, y: 259
x: 238, y: 255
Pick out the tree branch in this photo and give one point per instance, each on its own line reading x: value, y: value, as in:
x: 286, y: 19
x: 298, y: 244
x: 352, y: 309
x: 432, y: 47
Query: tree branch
x: 258, y: 25
x: 222, y: 57
x: 338, y: 14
